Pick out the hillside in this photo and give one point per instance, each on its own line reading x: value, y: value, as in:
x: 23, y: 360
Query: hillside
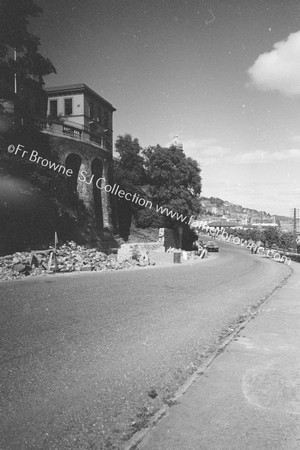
x: 34, y: 203
x: 218, y: 207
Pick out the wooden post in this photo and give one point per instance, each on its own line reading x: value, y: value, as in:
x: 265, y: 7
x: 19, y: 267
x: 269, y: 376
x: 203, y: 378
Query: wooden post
x: 295, y: 231
x: 54, y: 253
x: 50, y: 261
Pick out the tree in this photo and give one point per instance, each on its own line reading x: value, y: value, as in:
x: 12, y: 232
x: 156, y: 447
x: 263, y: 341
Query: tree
x: 129, y: 169
x: 286, y: 240
x: 174, y: 183
x: 130, y: 176
x: 270, y: 236
x: 22, y: 67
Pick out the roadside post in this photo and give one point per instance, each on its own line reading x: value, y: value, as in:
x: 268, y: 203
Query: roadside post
x: 177, y: 257
x: 54, y: 253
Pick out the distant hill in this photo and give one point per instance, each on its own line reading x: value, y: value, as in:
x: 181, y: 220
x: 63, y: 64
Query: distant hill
x: 218, y: 207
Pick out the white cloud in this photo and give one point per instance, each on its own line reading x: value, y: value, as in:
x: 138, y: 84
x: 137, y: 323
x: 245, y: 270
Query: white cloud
x: 208, y: 152
x: 279, y: 69
x: 253, y: 179
x: 294, y: 138
x: 205, y: 151
x: 262, y: 157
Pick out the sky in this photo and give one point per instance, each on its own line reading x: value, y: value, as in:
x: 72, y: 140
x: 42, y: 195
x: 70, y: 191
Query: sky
x: 223, y: 75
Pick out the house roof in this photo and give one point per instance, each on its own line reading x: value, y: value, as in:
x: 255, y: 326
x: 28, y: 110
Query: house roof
x: 224, y: 223
x: 76, y: 88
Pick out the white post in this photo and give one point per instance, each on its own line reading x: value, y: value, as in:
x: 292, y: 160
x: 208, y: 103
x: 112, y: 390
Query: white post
x: 15, y: 74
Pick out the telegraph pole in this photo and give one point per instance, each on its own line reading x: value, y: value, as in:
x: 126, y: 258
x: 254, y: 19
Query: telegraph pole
x: 295, y: 212
x: 295, y: 231
x: 15, y: 74
x: 16, y: 107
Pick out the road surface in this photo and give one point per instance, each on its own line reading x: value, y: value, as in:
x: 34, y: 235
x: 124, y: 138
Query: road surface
x: 87, y: 358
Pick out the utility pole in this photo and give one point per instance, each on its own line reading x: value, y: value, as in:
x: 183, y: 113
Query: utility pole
x: 15, y: 74
x: 294, y: 214
x: 16, y: 108
x: 295, y: 231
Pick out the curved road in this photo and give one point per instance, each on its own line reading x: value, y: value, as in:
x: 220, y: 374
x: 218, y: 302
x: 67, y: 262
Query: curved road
x: 86, y: 358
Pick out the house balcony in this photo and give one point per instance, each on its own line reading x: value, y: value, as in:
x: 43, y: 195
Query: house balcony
x: 50, y: 126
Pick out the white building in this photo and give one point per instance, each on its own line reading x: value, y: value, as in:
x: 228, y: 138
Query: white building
x: 80, y: 107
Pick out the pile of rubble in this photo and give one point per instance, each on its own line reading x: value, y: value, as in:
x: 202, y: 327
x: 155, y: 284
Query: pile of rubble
x: 140, y: 251
x: 70, y: 257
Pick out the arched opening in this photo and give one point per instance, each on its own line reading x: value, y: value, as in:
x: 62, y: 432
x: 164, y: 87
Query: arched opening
x: 73, y: 162
x: 97, y: 170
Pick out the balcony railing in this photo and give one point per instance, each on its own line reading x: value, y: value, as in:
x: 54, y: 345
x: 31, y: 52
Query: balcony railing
x: 73, y: 132
x: 61, y: 128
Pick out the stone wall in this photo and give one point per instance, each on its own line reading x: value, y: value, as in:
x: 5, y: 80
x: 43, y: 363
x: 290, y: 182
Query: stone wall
x: 88, y: 154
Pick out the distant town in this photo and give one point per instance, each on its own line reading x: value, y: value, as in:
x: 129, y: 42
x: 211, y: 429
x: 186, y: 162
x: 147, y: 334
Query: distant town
x: 221, y: 213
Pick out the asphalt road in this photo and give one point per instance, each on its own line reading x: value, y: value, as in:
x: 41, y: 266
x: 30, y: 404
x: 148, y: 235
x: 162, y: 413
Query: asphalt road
x: 86, y: 358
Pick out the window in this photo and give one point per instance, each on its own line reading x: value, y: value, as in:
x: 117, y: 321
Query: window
x: 92, y: 110
x: 106, y: 119
x: 68, y: 107
x: 53, y: 108
x: 99, y: 114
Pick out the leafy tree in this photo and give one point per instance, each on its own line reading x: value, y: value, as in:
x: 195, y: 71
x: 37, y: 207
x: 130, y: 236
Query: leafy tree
x: 286, y: 240
x: 130, y: 176
x: 217, y: 201
x: 163, y: 175
x: 129, y: 168
x: 149, y: 218
x: 30, y: 66
x: 267, y: 236
x: 254, y: 235
x: 174, y: 183
x: 270, y: 236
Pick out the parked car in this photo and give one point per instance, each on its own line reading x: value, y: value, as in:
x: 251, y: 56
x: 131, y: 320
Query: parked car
x: 212, y: 246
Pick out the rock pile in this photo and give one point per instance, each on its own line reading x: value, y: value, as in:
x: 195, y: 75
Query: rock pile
x: 70, y: 257
x: 17, y: 266
x: 138, y: 251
